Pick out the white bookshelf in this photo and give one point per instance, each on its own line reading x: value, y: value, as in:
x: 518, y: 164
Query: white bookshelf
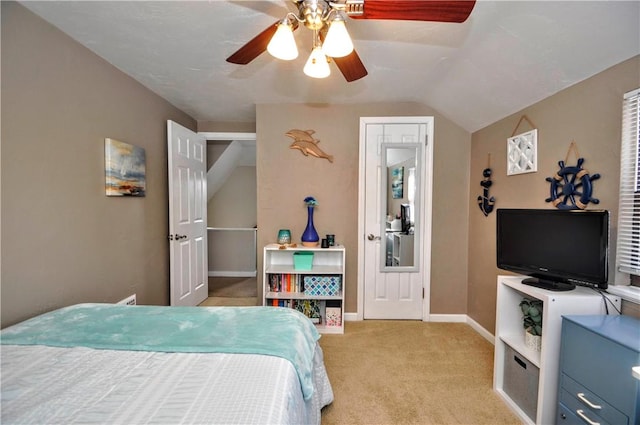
x: 510, y: 333
x: 326, y: 262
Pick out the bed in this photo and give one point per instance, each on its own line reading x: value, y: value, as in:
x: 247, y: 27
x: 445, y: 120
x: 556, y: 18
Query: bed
x: 117, y: 364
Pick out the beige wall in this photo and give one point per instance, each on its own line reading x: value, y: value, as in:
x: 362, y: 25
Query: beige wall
x: 285, y: 177
x: 233, y: 252
x: 234, y: 205
x: 63, y: 240
x: 83, y: 246
x: 588, y: 113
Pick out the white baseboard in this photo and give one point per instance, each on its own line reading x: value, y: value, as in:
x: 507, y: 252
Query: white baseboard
x: 232, y: 274
x: 448, y: 318
x: 350, y: 317
x: 482, y: 331
x: 444, y: 318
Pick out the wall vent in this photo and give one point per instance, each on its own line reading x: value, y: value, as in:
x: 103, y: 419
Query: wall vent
x: 130, y: 300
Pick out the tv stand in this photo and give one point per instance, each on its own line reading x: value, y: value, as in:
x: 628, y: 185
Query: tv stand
x: 548, y: 284
x: 532, y: 392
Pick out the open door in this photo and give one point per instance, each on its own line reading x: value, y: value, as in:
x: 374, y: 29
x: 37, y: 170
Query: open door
x: 187, y: 215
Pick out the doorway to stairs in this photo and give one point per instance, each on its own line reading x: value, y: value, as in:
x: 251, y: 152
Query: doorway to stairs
x: 231, y: 219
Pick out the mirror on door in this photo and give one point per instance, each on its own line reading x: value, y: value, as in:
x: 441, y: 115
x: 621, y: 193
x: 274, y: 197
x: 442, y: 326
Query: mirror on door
x: 400, y: 202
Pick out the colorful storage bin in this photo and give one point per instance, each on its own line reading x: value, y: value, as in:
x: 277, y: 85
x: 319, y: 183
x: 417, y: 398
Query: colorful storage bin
x: 334, y: 316
x: 322, y: 285
x: 302, y: 260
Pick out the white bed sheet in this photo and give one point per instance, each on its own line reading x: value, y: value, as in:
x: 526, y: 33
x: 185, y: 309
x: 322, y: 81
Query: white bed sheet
x: 49, y: 385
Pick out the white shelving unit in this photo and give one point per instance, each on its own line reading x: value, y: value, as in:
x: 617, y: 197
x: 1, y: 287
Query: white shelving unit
x: 326, y: 262
x: 510, y: 336
x: 402, y: 250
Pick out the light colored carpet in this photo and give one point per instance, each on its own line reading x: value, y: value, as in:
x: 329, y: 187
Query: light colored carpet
x: 406, y: 372
x: 410, y: 372
x: 234, y: 287
x: 229, y: 301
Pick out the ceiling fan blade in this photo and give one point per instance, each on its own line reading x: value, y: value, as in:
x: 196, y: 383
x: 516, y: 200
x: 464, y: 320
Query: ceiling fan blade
x: 256, y: 45
x: 417, y: 10
x: 351, y: 67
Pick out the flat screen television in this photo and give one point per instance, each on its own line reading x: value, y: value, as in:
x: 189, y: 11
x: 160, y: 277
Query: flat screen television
x: 557, y: 249
x: 405, y: 218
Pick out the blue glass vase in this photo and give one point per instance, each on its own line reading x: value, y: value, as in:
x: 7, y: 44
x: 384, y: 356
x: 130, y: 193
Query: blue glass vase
x: 310, y: 236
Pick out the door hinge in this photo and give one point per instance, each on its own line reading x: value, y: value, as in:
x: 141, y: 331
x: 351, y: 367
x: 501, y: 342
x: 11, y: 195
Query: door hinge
x: 423, y: 293
x: 426, y: 140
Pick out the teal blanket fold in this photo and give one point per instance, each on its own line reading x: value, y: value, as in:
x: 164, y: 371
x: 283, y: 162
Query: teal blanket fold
x: 281, y: 332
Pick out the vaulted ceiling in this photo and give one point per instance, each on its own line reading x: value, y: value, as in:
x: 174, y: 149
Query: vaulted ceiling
x: 506, y: 56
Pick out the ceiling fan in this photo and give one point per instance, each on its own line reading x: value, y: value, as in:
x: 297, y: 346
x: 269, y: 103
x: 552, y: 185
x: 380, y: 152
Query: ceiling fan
x: 323, y: 16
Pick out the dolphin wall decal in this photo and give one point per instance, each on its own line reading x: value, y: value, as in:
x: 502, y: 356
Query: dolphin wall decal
x: 304, y: 141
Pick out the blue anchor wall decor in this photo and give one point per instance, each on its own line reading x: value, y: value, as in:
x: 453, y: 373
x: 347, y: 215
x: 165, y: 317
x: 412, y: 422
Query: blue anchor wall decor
x: 484, y: 201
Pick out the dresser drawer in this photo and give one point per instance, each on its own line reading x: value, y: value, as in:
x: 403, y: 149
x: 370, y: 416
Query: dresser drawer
x: 600, y: 364
x: 566, y: 416
x: 577, y: 398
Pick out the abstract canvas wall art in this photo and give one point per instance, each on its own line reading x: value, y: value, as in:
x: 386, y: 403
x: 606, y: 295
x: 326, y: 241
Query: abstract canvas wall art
x: 397, y: 180
x: 125, y: 169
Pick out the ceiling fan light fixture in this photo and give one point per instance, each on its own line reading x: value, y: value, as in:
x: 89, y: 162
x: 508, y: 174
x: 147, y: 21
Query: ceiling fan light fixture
x: 338, y: 43
x: 282, y: 44
x: 317, y: 65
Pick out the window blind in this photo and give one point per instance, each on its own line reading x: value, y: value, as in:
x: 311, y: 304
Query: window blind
x: 628, y: 243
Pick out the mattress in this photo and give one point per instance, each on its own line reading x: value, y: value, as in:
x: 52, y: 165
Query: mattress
x: 43, y: 383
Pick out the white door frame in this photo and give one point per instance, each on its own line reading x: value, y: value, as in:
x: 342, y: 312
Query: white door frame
x: 427, y: 194
x: 206, y: 136
x: 213, y: 135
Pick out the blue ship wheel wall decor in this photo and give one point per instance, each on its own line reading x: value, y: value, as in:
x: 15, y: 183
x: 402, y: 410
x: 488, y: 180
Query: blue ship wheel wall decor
x: 571, y: 187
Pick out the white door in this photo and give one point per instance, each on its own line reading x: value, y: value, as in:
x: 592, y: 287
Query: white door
x: 187, y: 215
x: 393, y: 292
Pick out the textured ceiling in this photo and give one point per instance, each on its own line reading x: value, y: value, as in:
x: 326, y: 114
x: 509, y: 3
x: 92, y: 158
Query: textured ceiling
x: 506, y: 56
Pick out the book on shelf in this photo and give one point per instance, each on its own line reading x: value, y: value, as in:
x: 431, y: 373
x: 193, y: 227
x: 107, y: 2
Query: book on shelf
x: 282, y: 303
x: 285, y: 282
x: 310, y: 308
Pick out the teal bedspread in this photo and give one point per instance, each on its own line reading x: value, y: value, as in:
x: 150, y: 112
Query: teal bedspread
x: 281, y: 332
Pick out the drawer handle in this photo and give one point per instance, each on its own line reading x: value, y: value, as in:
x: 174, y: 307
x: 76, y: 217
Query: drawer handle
x: 580, y: 413
x: 582, y: 397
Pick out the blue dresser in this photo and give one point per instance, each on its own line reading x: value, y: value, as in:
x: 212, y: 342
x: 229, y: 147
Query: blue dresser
x: 596, y: 383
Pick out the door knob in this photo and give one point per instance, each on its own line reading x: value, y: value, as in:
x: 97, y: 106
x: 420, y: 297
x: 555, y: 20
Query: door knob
x: 373, y: 238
